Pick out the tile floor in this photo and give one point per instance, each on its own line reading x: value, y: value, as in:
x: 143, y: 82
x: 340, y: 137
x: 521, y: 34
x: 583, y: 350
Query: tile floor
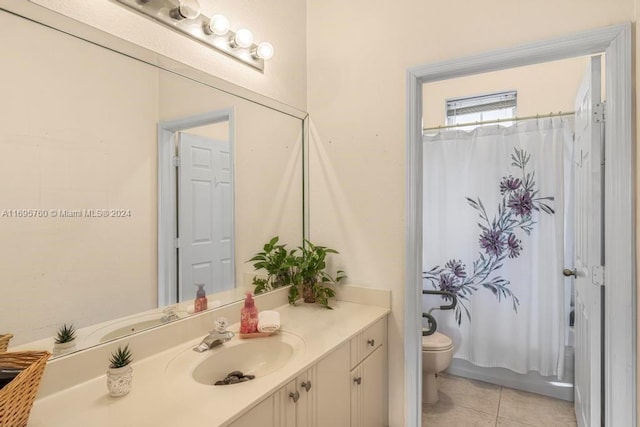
x: 464, y: 402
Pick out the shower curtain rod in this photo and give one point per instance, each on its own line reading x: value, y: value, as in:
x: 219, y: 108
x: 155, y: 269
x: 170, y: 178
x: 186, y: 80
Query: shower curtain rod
x: 513, y: 119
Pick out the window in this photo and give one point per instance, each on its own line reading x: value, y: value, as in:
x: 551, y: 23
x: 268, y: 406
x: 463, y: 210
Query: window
x: 482, y: 108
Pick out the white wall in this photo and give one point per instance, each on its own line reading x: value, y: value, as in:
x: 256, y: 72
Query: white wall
x: 356, y: 99
x: 281, y: 22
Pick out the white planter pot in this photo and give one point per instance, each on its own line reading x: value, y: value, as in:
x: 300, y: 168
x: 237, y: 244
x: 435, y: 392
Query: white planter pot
x: 63, y: 348
x: 119, y: 380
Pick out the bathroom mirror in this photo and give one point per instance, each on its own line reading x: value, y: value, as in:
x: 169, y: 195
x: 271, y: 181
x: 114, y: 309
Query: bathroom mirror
x: 93, y: 213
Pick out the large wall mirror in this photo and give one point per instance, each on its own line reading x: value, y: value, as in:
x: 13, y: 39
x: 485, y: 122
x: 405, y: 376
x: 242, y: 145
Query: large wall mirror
x: 127, y: 179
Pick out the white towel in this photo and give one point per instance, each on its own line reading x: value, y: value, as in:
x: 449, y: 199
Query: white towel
x: 268, y: 321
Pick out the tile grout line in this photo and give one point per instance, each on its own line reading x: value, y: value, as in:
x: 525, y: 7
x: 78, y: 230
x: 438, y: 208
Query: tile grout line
x: 499, y: 403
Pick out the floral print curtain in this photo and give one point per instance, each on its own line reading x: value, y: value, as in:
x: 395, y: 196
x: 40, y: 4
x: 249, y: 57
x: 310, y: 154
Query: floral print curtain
x: 493, y: 233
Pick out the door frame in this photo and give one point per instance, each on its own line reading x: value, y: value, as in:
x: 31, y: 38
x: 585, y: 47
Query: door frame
x: 619, y: 185
x: 167, y: 201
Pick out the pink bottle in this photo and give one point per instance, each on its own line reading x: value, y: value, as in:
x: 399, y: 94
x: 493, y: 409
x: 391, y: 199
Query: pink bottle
x: 249, y: 316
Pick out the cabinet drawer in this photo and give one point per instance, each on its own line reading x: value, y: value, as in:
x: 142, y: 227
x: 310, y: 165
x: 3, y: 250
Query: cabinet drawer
x: 363, y: 344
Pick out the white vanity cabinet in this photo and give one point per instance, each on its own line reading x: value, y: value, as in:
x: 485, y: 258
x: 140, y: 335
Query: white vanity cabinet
x: 285, y: 406
x: 334, y: 390
x: 295, y: 404
x: 367, y: 377
x: 260, y: 415
x: 346, y: 388
x: 318, y: 397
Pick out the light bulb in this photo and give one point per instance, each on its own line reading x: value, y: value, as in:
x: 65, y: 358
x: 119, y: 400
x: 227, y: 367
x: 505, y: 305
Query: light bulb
x: 243, y: 38
x: 219, y: 25
x: 189, y: 9
x: 264, y: 51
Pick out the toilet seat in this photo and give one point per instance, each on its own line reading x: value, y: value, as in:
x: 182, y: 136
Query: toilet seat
x: 436, y: 342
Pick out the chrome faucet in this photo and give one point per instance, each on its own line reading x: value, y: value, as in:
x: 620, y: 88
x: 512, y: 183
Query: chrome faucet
x: 216, y: 337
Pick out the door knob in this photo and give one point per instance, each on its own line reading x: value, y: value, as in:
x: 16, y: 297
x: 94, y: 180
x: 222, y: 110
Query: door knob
x: 294, y: 396
x: 306, y: 385
x: 568, y: 273
x: 358, y: 380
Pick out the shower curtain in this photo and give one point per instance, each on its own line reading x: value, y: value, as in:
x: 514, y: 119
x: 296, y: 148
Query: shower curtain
x: 493, y: 235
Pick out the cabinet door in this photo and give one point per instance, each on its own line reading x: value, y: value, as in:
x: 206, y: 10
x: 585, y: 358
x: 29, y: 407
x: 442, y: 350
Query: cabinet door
x: 357, y: 399
x: 333, y: 389
x: 373, y: 389
x: 307, y: 407
x: 261, y: 415
x: 367, y: 392
x: 284, y: 405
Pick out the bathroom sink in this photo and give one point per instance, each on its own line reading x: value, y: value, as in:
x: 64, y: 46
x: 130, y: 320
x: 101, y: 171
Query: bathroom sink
x: 257, y: 356
x: 126, y: 326
x: 131, y: 328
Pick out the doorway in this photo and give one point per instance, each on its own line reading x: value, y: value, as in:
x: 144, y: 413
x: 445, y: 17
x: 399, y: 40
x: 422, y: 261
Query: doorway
x: 619, y: 276
x: 501, y: 228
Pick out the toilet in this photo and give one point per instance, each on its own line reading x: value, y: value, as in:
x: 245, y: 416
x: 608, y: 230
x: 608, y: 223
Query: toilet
x: 437, y: 352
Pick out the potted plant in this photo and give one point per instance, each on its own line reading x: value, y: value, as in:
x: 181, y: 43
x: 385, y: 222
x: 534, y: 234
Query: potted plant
x: 310, y: 279
x: 120, y: 372
x: 278, y: 263
x: 65, y: 340
x: 302, y: 268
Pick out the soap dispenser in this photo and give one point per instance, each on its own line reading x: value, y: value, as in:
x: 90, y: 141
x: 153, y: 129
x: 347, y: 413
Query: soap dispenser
x: 249, y: 316
x: 200, y: 304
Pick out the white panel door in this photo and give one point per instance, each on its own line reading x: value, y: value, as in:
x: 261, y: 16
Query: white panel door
x: 589, y: 255
x: 205, y: 216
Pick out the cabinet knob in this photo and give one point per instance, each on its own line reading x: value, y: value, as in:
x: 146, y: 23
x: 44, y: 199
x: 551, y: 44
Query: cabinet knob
x: 357, y: 380
x: 306, y: 385
x: 371, y: 342
x: 295, y: 396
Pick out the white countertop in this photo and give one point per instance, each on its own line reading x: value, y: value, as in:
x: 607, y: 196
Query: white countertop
x: 162, y: 397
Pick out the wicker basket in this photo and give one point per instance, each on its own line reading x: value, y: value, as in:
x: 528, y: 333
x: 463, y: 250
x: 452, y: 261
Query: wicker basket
x: 4, y: 341
x: 16, y: 398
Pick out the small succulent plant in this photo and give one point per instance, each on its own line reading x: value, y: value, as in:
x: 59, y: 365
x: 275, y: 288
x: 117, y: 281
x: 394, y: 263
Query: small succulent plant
x: 65, y: 334
x: 121, y: 357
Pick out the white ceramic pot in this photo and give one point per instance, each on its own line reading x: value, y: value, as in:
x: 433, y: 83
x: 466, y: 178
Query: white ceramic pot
x: 119, y: 380
x: 63, y: 348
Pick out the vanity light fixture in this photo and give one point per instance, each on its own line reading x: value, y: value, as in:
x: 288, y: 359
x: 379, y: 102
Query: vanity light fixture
x: 243, y: 38
x: 186, y: 17
x: 264, y: 51
x: 188, y: 9
x: 219, y: 25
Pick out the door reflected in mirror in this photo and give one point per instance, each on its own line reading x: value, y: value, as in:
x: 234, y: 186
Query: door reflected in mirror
x: 199, y: 227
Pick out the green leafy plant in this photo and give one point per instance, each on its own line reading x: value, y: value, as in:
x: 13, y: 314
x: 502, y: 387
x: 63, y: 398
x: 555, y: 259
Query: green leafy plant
x: 65, y: 334
x: 121, y: 357
x: 278, y: 263
x: 310, y: 279
x: 303, y: 268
